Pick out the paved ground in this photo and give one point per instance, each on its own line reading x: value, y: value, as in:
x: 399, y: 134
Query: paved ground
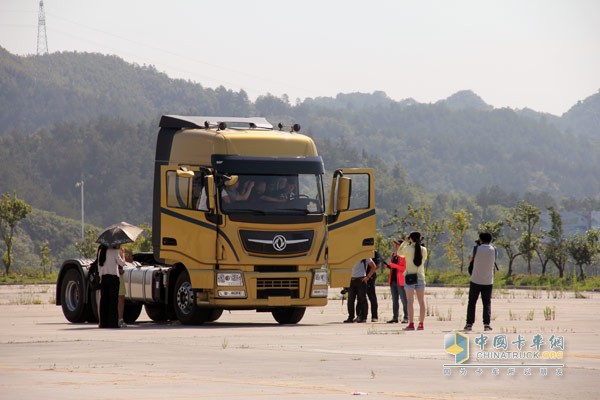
x: 245, y: 355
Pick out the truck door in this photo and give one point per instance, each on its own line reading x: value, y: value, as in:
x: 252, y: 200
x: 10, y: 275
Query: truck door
x: 351, y: 222
x: 188, y: 230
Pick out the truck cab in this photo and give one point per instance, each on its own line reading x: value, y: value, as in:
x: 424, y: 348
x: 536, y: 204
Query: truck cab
x: 240, y: 207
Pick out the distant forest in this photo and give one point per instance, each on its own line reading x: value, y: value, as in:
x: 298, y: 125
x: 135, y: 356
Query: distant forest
x: 67, y: 117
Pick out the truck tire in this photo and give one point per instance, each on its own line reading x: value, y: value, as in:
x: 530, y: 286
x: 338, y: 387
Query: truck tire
x: 184, y: 301
x: 156, y: 312
x: 132, y: 311
x: 71, y: 296
x: 214, y: 314
x: 288, y: 315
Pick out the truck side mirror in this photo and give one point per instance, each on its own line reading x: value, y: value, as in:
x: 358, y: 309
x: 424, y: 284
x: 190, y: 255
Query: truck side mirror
x: 343, y: 193
x: 210, y: 192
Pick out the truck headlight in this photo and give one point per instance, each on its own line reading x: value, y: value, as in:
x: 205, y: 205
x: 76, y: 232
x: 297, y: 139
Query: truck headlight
x: 229, y: 279
x: 320, y: 278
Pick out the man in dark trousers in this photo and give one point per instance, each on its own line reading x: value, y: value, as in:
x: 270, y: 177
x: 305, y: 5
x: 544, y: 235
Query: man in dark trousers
x: 371, y: 293
x: 357, y: 292
x: 482, y: 281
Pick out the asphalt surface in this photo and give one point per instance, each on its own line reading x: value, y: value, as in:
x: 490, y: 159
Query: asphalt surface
x: 246, y: 355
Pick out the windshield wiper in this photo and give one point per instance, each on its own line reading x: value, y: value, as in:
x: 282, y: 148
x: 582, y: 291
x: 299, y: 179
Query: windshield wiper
x: 245, y: 211
x: 302, y: 210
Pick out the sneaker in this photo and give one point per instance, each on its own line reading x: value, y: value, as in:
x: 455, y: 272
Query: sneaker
x: 122, y: 324
x: 349, y: 320
x: 409, y: 327
x: 360, y: 321
x: 374, y: 320
x: 420, y: 327
x: 392, y: 321
x: 405, y: 321
x: 468, y: 327
x: 487, y: 328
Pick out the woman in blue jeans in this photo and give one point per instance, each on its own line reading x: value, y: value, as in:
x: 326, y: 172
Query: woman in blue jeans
x: 396, y: 282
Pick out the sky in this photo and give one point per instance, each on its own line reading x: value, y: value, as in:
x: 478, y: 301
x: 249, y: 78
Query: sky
x: 538, y: 54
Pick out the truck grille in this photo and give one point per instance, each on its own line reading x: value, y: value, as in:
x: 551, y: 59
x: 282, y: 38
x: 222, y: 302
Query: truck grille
x: 277, y: 287
x: 277, y: 243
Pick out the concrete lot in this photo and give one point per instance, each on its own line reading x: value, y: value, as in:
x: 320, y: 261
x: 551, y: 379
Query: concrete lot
x: 246, y: 355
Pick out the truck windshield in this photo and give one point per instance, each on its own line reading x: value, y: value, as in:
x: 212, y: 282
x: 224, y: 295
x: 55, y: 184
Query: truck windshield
x: 277, y: 194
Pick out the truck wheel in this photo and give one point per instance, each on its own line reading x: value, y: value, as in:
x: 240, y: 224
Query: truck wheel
x: 188, y: 313
x: 132, y: 311
x: 156, y: 312
x: 288, y: 315
x: 214, y: 314
x: 73, y: 305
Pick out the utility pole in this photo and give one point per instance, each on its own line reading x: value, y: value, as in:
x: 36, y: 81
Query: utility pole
x: 42, y: 40
x: 80, y: 184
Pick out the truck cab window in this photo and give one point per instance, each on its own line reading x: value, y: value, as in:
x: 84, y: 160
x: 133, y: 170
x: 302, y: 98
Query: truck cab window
x: 359, y: 198
x: 278, y: 194
x: 179, y: 191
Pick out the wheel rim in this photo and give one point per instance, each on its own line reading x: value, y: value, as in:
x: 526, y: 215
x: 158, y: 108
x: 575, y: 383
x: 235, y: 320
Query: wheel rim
x: 185, y: 298
x: 72, y: 295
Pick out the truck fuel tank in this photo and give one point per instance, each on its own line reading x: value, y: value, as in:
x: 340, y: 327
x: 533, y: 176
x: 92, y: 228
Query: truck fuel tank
x: 145, y: 283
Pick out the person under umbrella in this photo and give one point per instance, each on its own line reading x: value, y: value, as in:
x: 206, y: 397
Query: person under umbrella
x: 109, y: 261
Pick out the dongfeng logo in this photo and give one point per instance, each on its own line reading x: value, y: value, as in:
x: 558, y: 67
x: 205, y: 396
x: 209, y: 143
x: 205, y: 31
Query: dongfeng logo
x: 279, y: 242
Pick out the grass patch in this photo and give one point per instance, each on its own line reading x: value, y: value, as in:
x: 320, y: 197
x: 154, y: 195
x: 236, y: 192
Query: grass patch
x: 552, y: 284
x: 29, y: 278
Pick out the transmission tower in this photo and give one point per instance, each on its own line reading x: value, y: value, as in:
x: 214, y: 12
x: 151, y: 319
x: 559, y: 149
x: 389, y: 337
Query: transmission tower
x: 42, y: 40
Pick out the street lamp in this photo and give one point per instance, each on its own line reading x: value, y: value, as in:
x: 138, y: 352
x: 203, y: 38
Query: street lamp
x: 80, y: 184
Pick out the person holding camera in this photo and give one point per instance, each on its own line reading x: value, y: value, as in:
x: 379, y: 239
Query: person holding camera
x: 482, y: 281
x: 357, y: 291
x: 397, y: 267
x: 414, y: 276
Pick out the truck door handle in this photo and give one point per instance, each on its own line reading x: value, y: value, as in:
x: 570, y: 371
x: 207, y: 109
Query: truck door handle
x: 168, y: 241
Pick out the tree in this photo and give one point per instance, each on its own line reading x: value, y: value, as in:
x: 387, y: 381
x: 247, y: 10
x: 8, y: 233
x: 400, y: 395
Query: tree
x: 12, y: 210
x: 584, y: 248
x: 88, y: 247
x: 455, y: 247
x: 143, y: 243
x: 528, y: 215
x: 46, y: 261
x: 555, y: 249
x: 506, y: 240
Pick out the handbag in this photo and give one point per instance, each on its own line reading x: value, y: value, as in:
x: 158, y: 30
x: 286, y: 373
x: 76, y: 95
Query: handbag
x: 411, y: 279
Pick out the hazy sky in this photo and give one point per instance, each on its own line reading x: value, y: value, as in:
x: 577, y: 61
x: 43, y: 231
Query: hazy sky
x: 541, y: 54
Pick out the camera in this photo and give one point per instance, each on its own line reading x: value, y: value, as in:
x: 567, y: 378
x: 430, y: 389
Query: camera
x: 344, y: 291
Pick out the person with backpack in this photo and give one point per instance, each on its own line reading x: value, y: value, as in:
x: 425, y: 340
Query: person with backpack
x: 357, y: 291
x: 482, y: 281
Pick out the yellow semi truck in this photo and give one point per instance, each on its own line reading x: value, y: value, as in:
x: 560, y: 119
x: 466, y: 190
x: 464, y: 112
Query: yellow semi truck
x: 239, y: 222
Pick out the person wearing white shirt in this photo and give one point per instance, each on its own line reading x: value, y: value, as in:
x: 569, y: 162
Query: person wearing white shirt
x: 109, y: 261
